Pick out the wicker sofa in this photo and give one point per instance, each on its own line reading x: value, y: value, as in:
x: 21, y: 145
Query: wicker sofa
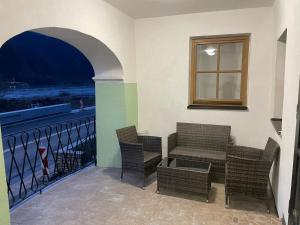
x: 247, y: 170
x: 139, y: 153
x: 201, y: 142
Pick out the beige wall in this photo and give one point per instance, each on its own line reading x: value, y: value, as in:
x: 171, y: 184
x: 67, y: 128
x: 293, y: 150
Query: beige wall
x: 162, y: 50
x: 287, y: 16
x: 93, y: 17
x: 279, y: 79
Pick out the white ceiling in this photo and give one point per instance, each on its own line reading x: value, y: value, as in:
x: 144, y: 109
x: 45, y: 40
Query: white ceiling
x: 155, y: 8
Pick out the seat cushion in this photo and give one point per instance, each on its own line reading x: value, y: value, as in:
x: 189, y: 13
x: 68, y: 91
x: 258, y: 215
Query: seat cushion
x: 151, y: 158
x: 195, y: 153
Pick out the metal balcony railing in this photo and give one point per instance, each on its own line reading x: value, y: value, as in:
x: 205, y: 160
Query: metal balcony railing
x: 36, y: 158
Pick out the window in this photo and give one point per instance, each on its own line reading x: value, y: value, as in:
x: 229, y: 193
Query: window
x: 218, y: 73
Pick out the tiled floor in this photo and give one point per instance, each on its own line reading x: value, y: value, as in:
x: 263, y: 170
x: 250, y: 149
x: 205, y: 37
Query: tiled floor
x: 96, y: 196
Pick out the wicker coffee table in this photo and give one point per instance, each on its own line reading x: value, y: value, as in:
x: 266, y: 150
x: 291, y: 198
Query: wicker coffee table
x: 184, y: 175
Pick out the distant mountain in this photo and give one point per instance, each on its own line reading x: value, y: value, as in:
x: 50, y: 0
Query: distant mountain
x: 40, y: 60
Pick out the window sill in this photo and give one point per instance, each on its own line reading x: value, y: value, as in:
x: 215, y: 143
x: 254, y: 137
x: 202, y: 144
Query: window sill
x: 277, y: 124
x: 222, y: 107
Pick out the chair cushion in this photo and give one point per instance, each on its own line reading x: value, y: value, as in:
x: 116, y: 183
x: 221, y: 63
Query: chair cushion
x: 194, y: 153
x: 151, y: 158
x: 271, y: 150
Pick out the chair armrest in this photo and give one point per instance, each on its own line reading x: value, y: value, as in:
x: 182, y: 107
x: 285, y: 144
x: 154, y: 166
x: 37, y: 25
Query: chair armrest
x: 245, y: 169
x: 230, y: 144
x: 244, y: 152
x: 231, y: 141
x: 128, y: 146
x: 172, y: 141
x: 132, y: 152
x: 151, y: 143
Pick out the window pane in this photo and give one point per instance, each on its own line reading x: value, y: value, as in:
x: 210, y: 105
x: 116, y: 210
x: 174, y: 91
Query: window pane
x: 207, y: 57
x: 229, y: 85
x: 231, y: 55
x: 206, y: 85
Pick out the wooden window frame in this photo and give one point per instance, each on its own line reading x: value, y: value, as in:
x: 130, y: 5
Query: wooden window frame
x: 239, y: 104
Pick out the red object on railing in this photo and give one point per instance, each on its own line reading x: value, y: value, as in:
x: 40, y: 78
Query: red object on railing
x: 43, y: 154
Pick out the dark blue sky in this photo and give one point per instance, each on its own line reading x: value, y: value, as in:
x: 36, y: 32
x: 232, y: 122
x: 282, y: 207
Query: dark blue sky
x: 42, y: 61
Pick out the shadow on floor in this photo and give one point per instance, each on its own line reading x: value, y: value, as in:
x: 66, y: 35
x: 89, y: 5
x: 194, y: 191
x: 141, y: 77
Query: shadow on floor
x: 130, y: 177
x: 190, y: 195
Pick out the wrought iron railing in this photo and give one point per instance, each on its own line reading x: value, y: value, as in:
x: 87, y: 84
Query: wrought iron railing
x: 38, y: 157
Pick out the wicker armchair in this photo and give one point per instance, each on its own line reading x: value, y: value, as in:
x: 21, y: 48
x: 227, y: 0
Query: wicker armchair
x: 139, y: 153
x: 247, y: 170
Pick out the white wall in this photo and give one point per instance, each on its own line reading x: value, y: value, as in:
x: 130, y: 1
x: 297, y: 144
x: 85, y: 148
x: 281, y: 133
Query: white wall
x: 92, y: 17
x: 279, y: 79
x: 162, y: 52
x: 286, y: 14
x: 281, y: 13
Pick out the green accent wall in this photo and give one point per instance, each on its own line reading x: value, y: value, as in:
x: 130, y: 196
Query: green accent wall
x: 4, y: 207
x: 131, y: 103
x: 116, y: 107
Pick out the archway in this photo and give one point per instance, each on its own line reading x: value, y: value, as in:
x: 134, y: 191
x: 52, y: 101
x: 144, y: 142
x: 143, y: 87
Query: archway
x: 116, y: 102
x: 105, y: 63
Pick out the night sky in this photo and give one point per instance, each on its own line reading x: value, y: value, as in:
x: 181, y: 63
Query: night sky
x: 40, y: 60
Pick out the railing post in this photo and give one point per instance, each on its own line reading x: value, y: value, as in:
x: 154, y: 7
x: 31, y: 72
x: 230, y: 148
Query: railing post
x: 4, y: 205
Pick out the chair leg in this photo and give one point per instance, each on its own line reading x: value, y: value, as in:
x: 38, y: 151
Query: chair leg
x: 144, y: 183
x: 227, y: 201
x: 122, y: 172
x: 267, y: 205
